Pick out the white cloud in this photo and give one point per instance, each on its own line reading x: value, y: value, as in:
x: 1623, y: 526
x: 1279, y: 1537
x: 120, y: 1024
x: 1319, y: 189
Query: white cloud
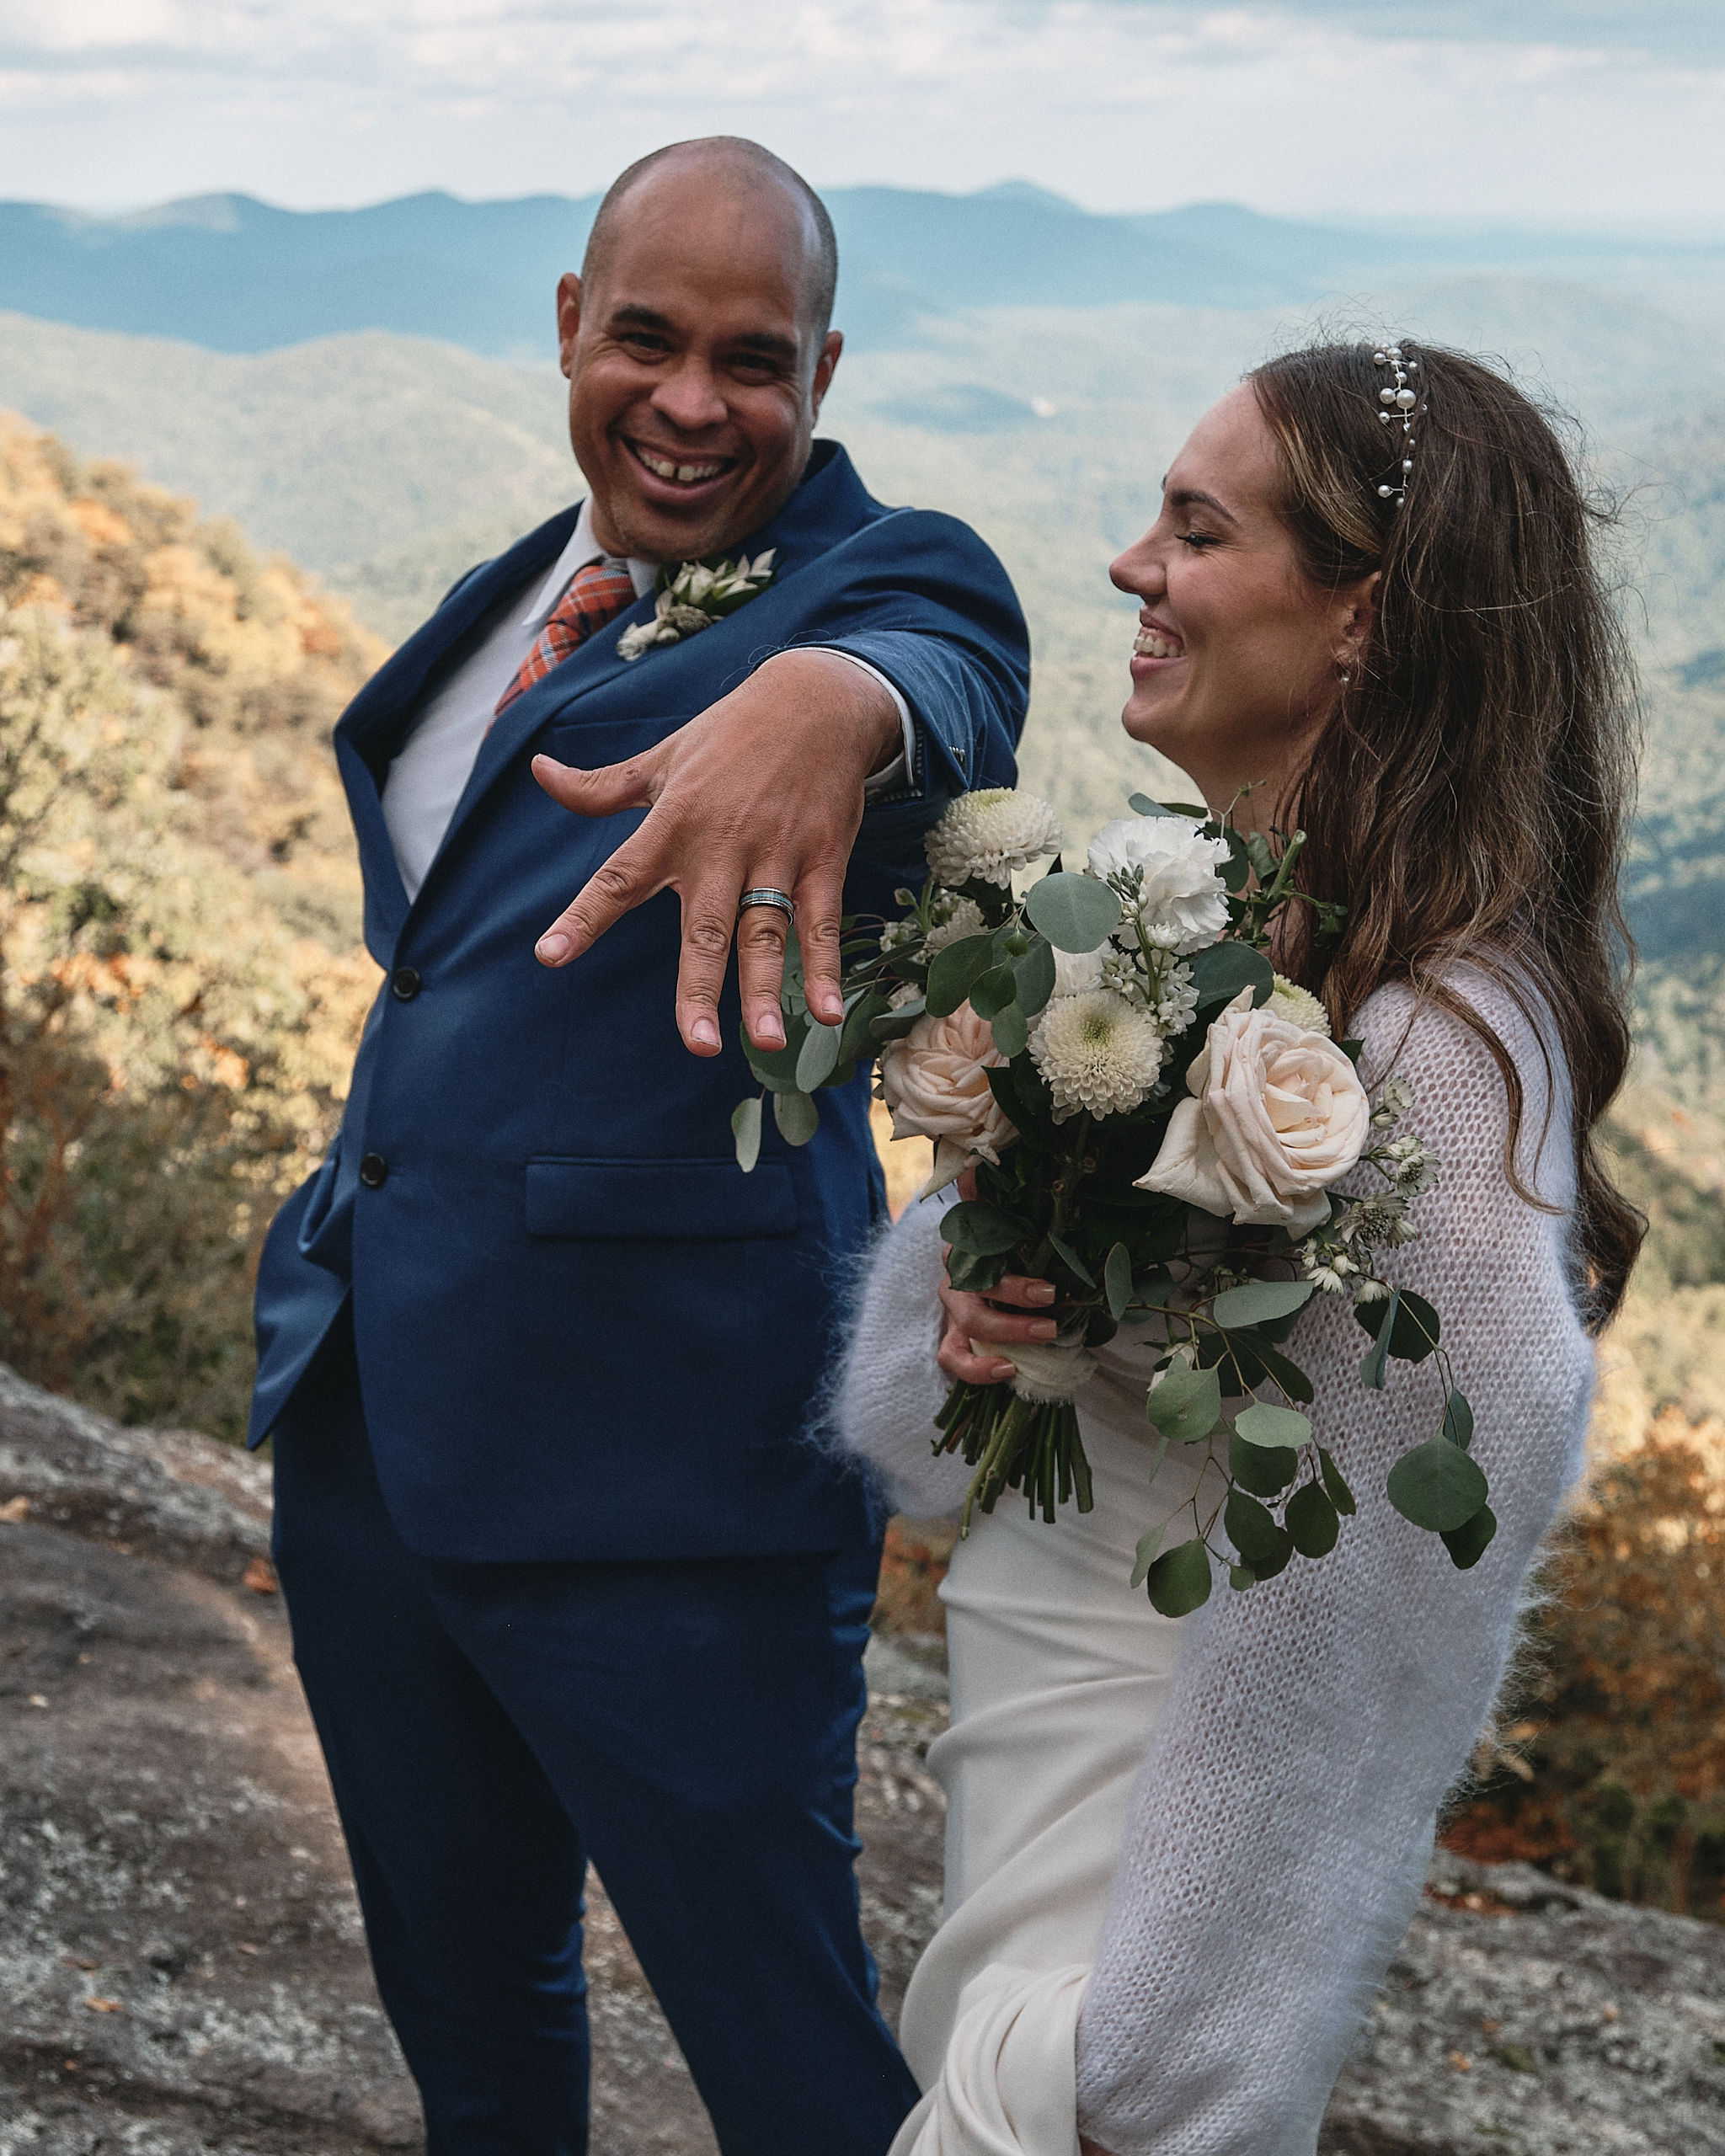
x: 1510, y: 110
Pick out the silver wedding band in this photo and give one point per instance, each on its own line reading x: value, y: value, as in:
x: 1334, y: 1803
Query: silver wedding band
x: 765, y: 895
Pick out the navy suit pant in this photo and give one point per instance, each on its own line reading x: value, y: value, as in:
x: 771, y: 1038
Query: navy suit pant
x: 688, y: 1727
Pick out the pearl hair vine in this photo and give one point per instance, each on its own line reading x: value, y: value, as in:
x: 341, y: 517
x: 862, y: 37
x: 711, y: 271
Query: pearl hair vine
x: 1400, y: 401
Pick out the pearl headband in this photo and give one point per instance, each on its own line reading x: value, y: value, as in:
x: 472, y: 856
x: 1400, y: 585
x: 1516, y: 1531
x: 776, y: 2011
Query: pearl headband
x: 1400, y: 402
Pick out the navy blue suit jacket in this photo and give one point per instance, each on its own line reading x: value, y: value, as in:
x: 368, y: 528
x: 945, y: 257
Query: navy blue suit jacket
x: 583, y: 1332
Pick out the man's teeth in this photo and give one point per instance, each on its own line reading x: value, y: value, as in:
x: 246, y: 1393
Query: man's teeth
x: 662, y: 468
x: 1151, y: 643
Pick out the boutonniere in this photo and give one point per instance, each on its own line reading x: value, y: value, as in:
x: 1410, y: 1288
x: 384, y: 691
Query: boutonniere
x: 695, y: 596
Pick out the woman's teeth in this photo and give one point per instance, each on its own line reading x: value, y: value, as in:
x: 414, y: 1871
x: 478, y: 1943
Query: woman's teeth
x: 662, y: 468
x: 1151, y: 643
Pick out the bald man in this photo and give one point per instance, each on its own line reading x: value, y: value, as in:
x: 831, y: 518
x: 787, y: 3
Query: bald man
x: 567, y: 1582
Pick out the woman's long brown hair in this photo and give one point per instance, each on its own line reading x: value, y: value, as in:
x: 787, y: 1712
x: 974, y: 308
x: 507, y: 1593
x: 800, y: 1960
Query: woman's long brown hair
x: 1468, y: 800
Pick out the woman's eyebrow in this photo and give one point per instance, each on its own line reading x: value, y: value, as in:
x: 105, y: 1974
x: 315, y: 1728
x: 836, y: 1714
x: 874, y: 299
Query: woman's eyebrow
x: 1187, y: 497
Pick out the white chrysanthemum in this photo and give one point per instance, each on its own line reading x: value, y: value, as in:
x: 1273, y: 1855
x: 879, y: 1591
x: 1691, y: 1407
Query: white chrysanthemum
x: 954, y: 919
x: 1180, y: 899
x: 1300, y: 1007
x: 986, y: 836
x: 1097, y: 1052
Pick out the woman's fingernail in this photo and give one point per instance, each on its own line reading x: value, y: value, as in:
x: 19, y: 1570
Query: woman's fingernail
x: 1045, y: 1328
x: 1040, y: 1291
x: 552, y: 948
x: 706, y: 1032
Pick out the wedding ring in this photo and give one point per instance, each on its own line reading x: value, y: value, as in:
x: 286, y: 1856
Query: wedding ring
x: 765, y: 895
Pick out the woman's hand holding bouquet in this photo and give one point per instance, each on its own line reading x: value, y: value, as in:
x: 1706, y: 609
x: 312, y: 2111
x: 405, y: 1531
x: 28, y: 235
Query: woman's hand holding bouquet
x: 1156, y: 1124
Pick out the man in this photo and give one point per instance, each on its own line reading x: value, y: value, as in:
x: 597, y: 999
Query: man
x: 565, y: 1582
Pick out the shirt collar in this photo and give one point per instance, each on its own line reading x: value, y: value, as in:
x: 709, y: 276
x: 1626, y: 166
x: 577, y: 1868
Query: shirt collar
x: 580, y: 548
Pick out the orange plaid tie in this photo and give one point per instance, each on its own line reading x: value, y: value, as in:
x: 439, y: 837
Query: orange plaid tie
x: 596, y: 594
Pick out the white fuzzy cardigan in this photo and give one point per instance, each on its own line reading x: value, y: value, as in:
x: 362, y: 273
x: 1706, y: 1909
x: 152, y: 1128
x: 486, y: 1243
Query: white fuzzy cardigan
x: 1284, y: 1815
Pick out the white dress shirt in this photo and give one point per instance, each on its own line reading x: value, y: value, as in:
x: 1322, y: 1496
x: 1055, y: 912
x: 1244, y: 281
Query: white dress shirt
x: 429, y: 776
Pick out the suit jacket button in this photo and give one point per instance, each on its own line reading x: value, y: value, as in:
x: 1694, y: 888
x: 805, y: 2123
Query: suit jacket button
x: 405, y: 984
x: 374, y: 1171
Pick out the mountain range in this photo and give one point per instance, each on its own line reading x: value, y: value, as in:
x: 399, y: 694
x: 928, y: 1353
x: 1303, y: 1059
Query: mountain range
x: 236, y: 274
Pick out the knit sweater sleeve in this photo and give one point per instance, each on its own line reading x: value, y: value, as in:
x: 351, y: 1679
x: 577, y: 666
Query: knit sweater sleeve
x: 888, y: 1388
x: 1284, y: 1815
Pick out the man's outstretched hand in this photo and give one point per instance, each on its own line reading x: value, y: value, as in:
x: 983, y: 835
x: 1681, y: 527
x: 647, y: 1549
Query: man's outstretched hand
x: 763, y: 788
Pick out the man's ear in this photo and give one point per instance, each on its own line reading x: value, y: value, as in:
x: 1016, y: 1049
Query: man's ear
x: 823, y: 369
x: 569, y: 319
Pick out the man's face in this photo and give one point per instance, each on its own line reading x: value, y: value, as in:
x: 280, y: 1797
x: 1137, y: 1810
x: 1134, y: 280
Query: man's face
x: 695, y: 378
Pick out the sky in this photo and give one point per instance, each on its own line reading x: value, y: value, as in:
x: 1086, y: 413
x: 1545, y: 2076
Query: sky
x: 1581, y: 113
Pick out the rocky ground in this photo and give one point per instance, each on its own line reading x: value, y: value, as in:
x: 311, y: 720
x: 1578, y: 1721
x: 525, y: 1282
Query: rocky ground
x: 181, y: 1972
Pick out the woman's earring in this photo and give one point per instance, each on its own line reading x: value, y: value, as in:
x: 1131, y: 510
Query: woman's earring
x: 1341, y: 673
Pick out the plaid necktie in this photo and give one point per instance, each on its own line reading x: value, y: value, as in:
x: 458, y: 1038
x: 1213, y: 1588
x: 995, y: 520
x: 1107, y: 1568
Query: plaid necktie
x: 596, y: 594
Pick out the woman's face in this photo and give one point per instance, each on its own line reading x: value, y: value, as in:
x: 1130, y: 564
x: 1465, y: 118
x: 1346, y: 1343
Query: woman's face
x: 1235, y: 668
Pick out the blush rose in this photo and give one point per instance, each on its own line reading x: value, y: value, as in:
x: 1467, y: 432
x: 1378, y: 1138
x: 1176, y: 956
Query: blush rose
x: 935, y: 1083
x: 1277, y: 1115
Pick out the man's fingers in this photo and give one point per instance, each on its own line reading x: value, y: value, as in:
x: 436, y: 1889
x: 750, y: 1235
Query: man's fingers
x: 632, y: 875
x: 605, y: 790
x: 820, y: 896
x: 709, y: 917
x: 762, y: 933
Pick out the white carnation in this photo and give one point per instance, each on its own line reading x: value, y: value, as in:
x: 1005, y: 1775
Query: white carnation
x: 1180, y: 897
x: 1097, y: 1052
x: 1077, y: 971
x: 1298, y: 1007
x: 986, y: 836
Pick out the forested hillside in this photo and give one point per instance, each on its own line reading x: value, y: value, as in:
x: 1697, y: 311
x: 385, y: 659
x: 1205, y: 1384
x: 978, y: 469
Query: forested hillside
x: 180, y: 984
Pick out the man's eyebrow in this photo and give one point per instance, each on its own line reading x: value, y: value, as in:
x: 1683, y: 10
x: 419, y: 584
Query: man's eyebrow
x: 1188, y: 496
x: 638, y: 318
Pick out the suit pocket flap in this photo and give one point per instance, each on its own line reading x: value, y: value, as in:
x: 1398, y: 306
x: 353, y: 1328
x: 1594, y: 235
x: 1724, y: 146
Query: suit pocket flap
x: 659, y: 1201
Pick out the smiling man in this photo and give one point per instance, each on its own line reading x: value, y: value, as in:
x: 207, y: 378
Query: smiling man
x: 566, y: 1583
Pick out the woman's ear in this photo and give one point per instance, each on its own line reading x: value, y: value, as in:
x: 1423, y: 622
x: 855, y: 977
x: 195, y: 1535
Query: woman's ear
x: 1356, y: 609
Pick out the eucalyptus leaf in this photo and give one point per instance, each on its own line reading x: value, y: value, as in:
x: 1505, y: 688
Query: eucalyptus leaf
x: 1140, y: 804
x: 746, y: 1129
x: 1376, y: 1361
x: 797, y: 1117
x: 1034, y: 974
x: 856, y: 1037
x: 1468, y: 1542
x: 1239, y: 1578
x: 1260, y: 1300
x: 1341, y: 1497
x: 1278, y: 1428
x: 953, y: 970
x: 1458, y: 1420
x: 992, y: 991
x: 1252, y: 1529
x: 1076, y: 913
x: 1148, y: 1544
x: 1117, y: 1279
x: 819, y: 1056
x: 893, y: 1025
x: 1011, y: 1031
x: 1265, y: 1470
x: 984, y: 1230
x: 1186, y: 1405
x: 1437, y: 1486
x: 1180, y: 1580
x: 1416, y: 1330
x: 1311, y: 1520
x: 1221, y: 971
x: 1072, y: 1258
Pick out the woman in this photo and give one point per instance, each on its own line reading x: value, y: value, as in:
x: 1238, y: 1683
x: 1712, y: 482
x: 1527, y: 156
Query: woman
x: 1181, y: 1854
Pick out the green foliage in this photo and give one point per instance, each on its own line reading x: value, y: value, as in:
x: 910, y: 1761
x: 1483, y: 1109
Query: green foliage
x: 1186, y: 1404
x: 1076, y: 913
x: 1437, y: 1487
x: 1179, y: 1581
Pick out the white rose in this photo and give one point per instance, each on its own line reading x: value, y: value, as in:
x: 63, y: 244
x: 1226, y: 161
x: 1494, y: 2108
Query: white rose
x: 935, y: 1081
x: 1277, y: 1115
x: 1183, y: 903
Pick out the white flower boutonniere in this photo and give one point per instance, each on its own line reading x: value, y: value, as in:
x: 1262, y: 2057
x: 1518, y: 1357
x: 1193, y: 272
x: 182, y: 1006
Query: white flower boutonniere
x: 695, y: 596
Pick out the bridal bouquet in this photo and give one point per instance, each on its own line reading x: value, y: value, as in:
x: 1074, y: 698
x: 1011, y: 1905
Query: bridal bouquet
x: 1157, y: 1123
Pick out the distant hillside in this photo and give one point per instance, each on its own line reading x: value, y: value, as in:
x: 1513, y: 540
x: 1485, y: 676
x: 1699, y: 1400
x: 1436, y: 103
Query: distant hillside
x: 237, y: 275
x: 180, y: 981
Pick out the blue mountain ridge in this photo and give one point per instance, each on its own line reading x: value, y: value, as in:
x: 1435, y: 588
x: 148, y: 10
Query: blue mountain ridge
x: 237, y: 275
